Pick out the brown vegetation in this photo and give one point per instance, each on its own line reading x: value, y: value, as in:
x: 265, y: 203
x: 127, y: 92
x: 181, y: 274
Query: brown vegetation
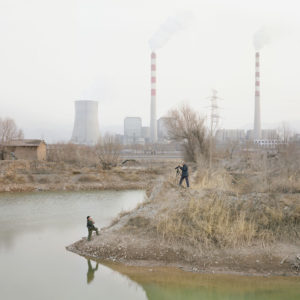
x: 108, y: 152
x: 39, y: 175
x: 77, y: 155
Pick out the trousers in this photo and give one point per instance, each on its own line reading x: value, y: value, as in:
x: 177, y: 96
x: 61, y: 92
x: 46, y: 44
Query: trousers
x: 91, y: 232
x: 186, y: 180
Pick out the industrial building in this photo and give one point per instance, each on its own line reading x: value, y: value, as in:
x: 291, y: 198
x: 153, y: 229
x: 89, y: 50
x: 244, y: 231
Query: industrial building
x: 86, y: 124
x: 132, y: 130
x: 265, y: 134
x: 162, y: 129
x: 224, y: 135
x: 146, y: 133
x: 268, y: 143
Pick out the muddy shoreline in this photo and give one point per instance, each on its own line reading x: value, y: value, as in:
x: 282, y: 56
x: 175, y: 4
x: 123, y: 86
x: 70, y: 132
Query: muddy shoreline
x: 244, y: 262
x: 21, y: 188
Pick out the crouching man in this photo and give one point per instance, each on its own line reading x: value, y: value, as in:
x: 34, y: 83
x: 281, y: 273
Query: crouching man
x: 91, y: 227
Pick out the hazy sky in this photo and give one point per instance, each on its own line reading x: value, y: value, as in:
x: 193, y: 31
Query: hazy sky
x: 57, y: 51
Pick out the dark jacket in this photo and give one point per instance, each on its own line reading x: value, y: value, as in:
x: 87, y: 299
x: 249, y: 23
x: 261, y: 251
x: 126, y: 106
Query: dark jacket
x: 90, y: 224
x: 184, y: 171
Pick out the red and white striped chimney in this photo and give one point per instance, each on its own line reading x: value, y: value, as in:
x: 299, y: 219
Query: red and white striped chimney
x: 153, y: 121
x: 257, y: 124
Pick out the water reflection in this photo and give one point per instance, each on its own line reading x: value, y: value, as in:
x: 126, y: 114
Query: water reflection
x: 91, y: 271
x: 173, y: 284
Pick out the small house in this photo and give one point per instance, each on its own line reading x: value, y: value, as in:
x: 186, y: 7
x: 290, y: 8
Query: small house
x: 23, y: 149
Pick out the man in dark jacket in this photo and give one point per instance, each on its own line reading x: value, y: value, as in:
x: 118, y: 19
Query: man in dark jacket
x: 184, y: 174
x: 91, y: 227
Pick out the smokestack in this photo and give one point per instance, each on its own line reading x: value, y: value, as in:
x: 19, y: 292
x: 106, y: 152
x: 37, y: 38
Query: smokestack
x: 257, y: 123
x: 153, y: 121
x: 86, y: 124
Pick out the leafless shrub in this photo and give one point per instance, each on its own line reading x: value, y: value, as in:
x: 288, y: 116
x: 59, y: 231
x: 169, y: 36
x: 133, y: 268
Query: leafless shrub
x: 108, y: 152
x: 186, y: 126
x: 79, y: 155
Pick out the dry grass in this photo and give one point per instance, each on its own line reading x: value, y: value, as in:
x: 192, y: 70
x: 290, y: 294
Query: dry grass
x: 219, y: 220
x: 129, y: 176
x: 258, y: 205
x: 216, y: 179
x: 206, y: 221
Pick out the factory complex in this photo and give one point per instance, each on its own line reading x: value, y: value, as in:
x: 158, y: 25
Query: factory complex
x: 86, y: 125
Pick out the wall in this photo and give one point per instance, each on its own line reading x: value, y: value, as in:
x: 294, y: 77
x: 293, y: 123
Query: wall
x: 42, y: 152
x: 29, y: 153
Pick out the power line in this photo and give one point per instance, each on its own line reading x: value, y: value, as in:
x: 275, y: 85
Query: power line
x: 214, y: 121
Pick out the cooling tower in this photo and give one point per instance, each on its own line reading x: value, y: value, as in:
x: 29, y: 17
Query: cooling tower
x: 257, y: 121
x: 86, y: 124
x: 153, y: 121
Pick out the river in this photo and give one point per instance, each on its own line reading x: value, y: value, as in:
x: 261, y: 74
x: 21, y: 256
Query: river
x: 36, y: 227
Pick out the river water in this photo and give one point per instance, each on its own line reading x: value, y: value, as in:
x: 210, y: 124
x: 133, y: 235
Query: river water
x: 36, y: 227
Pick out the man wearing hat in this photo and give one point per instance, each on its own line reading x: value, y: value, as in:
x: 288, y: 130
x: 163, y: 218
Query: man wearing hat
x: 91, y: 227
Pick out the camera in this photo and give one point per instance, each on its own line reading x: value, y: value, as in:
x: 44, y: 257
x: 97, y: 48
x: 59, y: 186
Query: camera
x: 177, y: 170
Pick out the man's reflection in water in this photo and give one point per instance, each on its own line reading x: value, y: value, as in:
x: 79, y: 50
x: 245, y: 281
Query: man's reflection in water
x: 90, y: 274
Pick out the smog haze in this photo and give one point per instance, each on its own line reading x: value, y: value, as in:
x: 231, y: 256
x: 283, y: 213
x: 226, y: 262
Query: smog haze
x: 55, y: 52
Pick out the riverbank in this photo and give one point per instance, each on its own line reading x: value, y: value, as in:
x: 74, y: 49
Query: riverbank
x: 209, y: 228
x: 26, y: 176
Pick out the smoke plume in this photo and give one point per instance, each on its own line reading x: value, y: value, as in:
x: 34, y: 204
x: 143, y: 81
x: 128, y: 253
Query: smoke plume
x: 261, y: 38
x: 170, y: 27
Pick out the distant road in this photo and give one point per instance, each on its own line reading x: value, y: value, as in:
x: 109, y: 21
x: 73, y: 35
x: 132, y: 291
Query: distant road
x: 152, y: 157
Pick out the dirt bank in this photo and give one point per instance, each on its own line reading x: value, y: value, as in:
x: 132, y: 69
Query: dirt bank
x: 155, y: 234
x: 26, y: 176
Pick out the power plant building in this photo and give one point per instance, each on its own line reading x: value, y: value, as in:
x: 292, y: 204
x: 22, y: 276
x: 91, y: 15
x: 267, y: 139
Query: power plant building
x: 86, y: 124
x: 146, y: 133
x: 226, y: 135
x: 162, y: 129
x: 132, y: 129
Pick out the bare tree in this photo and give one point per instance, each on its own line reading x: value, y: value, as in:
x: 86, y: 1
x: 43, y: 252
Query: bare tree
x: 9, y: 130
x: 231, y: 147
x: 285, y: 132
x: 186, y: 126
x: 108, y: 152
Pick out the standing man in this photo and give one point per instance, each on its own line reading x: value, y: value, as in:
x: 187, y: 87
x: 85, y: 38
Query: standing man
x: 91, y: 227
x: 184, y: 174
